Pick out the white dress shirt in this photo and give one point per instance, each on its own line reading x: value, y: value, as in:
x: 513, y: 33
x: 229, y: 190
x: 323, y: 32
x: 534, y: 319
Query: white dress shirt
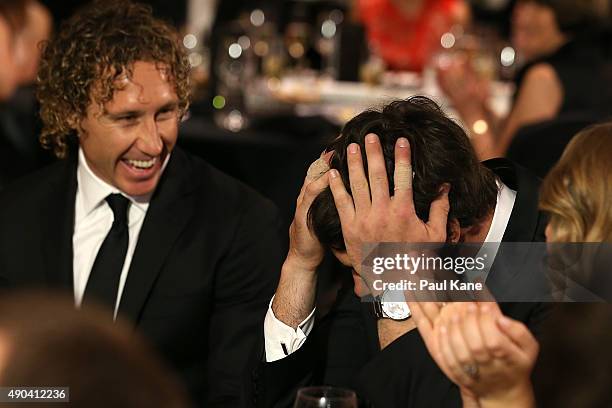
x: 282, y: 340
x: 93, y: 219
x: 503, y: 209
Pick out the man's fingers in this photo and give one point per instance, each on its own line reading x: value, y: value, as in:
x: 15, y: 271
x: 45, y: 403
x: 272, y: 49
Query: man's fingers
x: 377, y: 173
x: 312, y: 191
x: 424, y: 325
x: 471, y: 334
x: 457, y: 342
x: 420, y: 318
x: 342, y: 199
x: 318, y: 168
x: 402, y: 176
x: 359, y: 183
x: 438, y: 213
x: 495, y: 341
x: 450, y: 360
x: 315, y: 171
x: 490, y: 307
x: 431, y: 310
x: 519, y: 334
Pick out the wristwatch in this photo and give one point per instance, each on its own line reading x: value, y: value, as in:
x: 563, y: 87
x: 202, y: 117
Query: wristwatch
x: 391, y: 305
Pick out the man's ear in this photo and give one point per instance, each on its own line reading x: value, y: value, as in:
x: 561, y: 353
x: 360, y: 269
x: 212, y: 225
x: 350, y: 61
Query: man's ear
x: 453, y: 231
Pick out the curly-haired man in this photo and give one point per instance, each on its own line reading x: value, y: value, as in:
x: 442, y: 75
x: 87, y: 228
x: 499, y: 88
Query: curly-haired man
x: 127, y: 219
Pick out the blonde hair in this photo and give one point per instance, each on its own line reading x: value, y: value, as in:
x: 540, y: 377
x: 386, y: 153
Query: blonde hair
x: 578, y: 190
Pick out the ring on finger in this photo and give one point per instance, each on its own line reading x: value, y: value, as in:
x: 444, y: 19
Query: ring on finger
x: 471, y: 370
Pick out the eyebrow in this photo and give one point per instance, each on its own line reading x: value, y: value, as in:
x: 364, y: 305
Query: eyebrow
x: 137, y: 113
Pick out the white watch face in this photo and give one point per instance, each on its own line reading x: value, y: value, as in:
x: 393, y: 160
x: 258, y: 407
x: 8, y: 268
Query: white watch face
x: 395, y: 310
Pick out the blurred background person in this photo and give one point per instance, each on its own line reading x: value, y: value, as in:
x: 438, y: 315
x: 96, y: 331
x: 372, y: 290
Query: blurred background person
x: 11, y: 17
x: 577, y: 193
x: 406, y: 33
x: 26, y: 24
x: 45, y: 342
x: 566, y: 44
x: 573, y: 368
x: 37, y: 28
x: 535, y: 31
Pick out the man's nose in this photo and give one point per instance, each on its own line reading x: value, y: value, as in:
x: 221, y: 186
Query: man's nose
x: 150, y: 140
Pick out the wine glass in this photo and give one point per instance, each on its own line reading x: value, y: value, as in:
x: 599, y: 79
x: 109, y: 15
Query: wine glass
x: 325, y: 397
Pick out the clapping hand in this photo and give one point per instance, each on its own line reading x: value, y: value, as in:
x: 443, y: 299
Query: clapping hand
x: 489, y: 356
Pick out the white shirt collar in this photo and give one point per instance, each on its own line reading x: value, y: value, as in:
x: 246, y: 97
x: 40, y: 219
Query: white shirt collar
x: 93, y: 190
x: 503, y: 209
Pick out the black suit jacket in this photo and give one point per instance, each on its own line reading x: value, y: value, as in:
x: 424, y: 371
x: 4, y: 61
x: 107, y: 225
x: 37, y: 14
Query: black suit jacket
x: 343, y: 349
x: 203, y: 271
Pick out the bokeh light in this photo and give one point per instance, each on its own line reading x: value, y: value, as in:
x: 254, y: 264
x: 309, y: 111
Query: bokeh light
x: 235, y: 50
x: 258, y: 17
x: 218, y: 102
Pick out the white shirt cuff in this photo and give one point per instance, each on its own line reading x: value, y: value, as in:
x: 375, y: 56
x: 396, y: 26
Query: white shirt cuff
x: 282, y: 340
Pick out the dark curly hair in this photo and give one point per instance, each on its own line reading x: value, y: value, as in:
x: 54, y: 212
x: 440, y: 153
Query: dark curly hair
x: 441, y: 153
x: 92, y: 49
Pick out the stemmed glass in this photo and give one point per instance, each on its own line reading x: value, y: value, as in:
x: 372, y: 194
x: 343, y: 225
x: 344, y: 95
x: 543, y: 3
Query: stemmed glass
x: 325, y: 397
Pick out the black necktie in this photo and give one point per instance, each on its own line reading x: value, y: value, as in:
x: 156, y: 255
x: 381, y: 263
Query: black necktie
x: 103, y: 281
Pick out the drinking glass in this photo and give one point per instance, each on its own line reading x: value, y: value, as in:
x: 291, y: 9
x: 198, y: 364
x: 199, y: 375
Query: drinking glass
x: 325, y: 397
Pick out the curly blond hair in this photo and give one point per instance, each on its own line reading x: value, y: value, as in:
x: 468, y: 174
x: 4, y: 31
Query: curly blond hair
x: 578, y: 190
x: 92, y: 49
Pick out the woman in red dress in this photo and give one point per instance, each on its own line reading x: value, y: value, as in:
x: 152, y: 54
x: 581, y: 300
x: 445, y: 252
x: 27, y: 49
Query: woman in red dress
x: 406, y: 33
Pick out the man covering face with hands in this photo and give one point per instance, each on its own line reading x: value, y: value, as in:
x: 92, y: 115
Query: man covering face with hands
x: 407, y: 174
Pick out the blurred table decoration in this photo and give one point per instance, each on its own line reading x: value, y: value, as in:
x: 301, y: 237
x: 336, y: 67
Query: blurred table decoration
x: 308, y: 95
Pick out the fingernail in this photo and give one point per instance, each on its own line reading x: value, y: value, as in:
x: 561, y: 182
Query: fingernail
x: 370, y: 138
x: 455, y: 319
x: 484, y: 308
x: 333, y: 173
x: 472, y: 308
x: 402, y: 142
x: 445, y: 188
x: 352, y: 148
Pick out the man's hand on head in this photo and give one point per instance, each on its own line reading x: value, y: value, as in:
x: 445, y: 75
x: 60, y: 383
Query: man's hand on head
x: 295, y: 295
x: 372, y: 214
x: 305, y: 250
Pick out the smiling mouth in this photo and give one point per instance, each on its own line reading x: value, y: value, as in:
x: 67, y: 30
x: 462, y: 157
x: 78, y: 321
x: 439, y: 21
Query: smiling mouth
x: 141, y: 164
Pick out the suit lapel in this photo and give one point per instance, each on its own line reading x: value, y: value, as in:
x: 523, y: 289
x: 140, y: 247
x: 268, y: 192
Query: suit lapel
x: 170, y: 210
x: 525, y: 223
x: 57, y: 226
